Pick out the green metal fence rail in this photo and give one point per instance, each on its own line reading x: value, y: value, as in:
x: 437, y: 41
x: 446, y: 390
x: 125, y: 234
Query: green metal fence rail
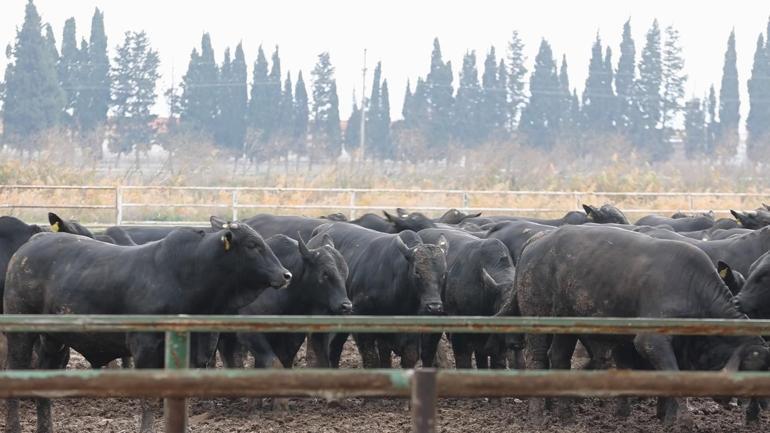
x: 177, y: 383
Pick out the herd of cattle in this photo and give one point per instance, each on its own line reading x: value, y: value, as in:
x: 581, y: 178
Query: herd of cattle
x: 593, y: 263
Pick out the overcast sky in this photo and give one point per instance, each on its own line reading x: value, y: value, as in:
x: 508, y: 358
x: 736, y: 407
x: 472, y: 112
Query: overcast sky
x: 400, y: 32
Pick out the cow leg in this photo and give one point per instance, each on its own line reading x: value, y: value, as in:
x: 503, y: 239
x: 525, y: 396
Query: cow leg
x: 428, y: 349
x: 624, y: 360
x: 320, y: 346
x: 147, y: 351
x: 657, y: 349
x: 335, y: 349
x: 462, y: 351
x: 51, y: 356
x: 19, y: 357
x: 537, y: 359
x: 367, y: 348
x: 410, y: 352
x: 560, y: 355
x: 384, y: 350
x: 230, y: 351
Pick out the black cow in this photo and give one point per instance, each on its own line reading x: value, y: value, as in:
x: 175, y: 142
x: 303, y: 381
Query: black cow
x: 607, y: 214
x: 739, y: 251
x: 337, y: 216
x: 317, y: 287
x: 454, y: 216
x: 571, y: 217
x: 292, y: 226
x: 188, y: 272
x: 480, y: 277
x: 140, y: 235
x: 688, y: 224
x: 390, y: 275
x: 605, y: 272
x: 414, y: 221
x: 752, y: 220
x: 375, y: 222
x: 515, y: 234
x: 754, y: 297
x: 726, y: 224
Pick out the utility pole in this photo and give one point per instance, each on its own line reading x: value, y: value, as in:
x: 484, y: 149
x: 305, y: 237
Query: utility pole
x: 363, y: 110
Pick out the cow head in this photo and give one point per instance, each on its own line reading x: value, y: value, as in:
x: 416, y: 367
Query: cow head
x: 337, y: 216
x: 454, y: 216
x: 426, y: 273
x: 414, y: 221
x: 752, y: 220
x: 607, y: 214
x: 61, y: 226
x: 239, y: 250
x: 754, y: 297
x: 325, y: 270
x: 498, y: 274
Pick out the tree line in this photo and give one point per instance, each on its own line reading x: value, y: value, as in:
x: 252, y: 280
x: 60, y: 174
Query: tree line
x: 76, y: 88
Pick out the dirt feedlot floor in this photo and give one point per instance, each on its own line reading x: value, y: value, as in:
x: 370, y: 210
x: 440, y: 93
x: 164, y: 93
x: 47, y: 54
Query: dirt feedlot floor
x: 373, y: 415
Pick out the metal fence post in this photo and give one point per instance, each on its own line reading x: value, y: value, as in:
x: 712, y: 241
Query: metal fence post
x: 690, y: 202
x: 466, y: 201
x: 118, y: 205
x: 352, y: 205
x: 177, y: 357
x: 235, y: 205
x: 578, y: 205
x: 424, y: 400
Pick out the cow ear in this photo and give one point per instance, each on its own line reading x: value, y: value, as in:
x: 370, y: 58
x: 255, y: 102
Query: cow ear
x: 767, y: 207
x: 217, y: 223
x: 327, y: 240
x: 389, y: 217
x: 401, y: 212
x: 727, y: 275
x: 403, y: 248
x: 488, y: 280
x: 57, y: 224
x: 303, y: 249
x: 443, y: 243
x: 590, y: 210
x: 227, y: 240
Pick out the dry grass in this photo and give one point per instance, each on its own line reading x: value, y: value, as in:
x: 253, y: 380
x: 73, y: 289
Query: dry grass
x: 499, y: 168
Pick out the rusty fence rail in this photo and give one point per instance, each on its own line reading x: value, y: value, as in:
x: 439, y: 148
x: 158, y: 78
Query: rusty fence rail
x: 354, y: 201
x: 177, y: 382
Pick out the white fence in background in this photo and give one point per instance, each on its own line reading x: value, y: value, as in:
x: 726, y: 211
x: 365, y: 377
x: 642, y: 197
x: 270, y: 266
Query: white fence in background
x: 355, y: 201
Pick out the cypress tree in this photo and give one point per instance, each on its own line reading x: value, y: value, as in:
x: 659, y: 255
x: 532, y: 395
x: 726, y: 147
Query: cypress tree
x: 94, y: 94
x: 674, y: 78
x: 624, y: 81
x: 439, y: 93
x: 729, y: 100
x: 201, y: 90
x: 374, y: 127
x: 406, y: 108
x: 300, y: 117
x: 386, y: 149
x: 492, y: 116
x: 540, y: 118
x: 712, y: 125
x: 34, y: 100
x: 567, y: 123
x: 273, y: 95
x: 467, y: 124
x: 68, y: 68
x: 239, y: 100
x: 224, y: 115
x: 648, y: 87
x: 259, y: 103
x: 502, y: 110
x: 596, y: 93
x: 610, y: 100
x: 694, y: 128
x: 758, y: 121
x: 286, y: 111
x: 353, y: 127
x: 135, y: 78
x: 326, y: 118
x: 516, y: 79
x: 50, y: 42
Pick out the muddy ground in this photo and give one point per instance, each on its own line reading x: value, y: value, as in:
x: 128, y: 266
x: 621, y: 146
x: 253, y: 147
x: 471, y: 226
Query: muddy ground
x: 375, y: 415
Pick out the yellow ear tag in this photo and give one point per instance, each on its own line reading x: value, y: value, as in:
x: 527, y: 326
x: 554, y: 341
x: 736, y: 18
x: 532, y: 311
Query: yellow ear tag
x: 55, y: 226
x: 723, y: 273
x: 226, y: 242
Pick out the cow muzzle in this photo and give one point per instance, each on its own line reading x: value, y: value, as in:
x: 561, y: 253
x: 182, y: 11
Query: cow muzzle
x: 283, y: 282
x: 346, y: 307
x: 433, y: 308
